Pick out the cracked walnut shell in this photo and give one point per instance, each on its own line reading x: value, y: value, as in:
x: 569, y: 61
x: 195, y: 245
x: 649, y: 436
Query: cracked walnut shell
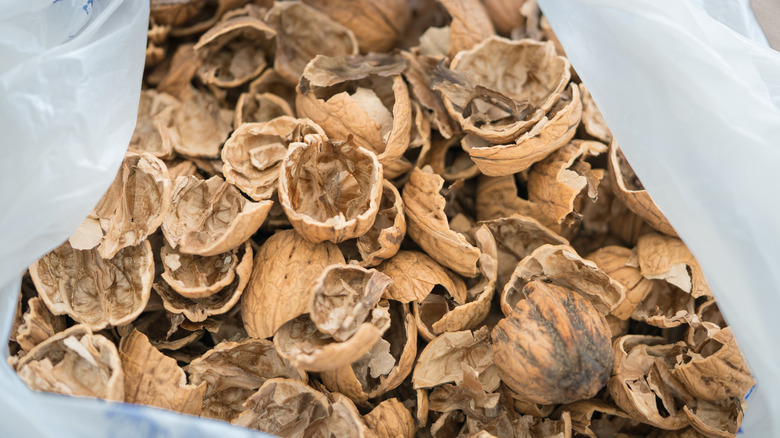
x: 92, y: 290
x: 555, y: 347
x: 330, y: 190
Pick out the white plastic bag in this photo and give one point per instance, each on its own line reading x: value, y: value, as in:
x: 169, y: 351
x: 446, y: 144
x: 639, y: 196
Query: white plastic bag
x: 695, y: 106
x: 70, y: 80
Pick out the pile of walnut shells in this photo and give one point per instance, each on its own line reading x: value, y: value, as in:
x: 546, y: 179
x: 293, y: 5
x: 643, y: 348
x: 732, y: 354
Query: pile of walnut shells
x: 379, y: 218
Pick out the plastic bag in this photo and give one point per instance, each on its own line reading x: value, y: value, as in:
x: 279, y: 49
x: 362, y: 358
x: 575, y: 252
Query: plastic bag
x: 70, y: 78
x: 695, y: 106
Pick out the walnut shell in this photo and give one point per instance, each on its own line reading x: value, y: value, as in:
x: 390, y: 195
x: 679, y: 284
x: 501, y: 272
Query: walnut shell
x: 304, y: 32
x: 555, y: 182
x: 234, y: 51
x: 253, y: 154
x: 197, y: 309
x: 429, y: 227
x: 210, y: 217
x: 74, y: 362
x: 113, y: 224
x: 375, y: 374
x: 716, y: 420
x: 470, y: 24
x: 377, y: 114
x: 667, y: 258
x: 592, y: 121
x: 418, y: 75
x: 151, y: 378
x: 561, y: 265
x: 383, y: 240
x: 175, y: 12
x: 154, y: 109
x: 260, y: 108
x: 497, y: 198
x: 37, y: 325
x: 549, y: 134
x: 555, y: 347
x: 285, y: 407
x: 115, y: 292
x: 582, y: 413
x: 415, y: 275
x: 285, y: 267
x: 664, y: 306
x: 505, y: 14
x: 621, y: 264
x: 198, y: 126
x: 194, y: 276
x: 233, y: 371
x: 330, y: 190
x: 715, y: 370
x: 630, y: 191
x: 390, y: 419
x: 538, y: 78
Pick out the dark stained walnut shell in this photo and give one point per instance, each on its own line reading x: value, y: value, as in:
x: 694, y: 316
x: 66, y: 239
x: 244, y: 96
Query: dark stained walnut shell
x: 555, y: 347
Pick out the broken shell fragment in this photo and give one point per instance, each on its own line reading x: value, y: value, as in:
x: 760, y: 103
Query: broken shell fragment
x: 621, y: 265
x: 667, y: 258
x: 114, y: 294
x: 285, y: 407
x: 383, y: 240
x: 260, y: 108
x: 74, y: 362
x: 390, y: 419
x: 198, y: 126
x: 37, y: 325
x: 210, y: 217
x: 415, y: 275
x: 154, y: 109
x: 554, y: 347
x: 194, y: 276
x: 330, y: 190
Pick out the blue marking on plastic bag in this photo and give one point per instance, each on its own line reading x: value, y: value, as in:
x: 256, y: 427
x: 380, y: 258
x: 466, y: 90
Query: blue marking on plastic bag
x: 87, y: 7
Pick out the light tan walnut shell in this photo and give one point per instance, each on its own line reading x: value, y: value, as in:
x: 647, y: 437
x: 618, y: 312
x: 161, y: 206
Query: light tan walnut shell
x: 629, y: 190
x: 363, y: 96
x: 556, y: 182
x: 307, y: 348
x: 197, y: 309
x: 554, y: 347
x: 561, y: 265
x: 181, y: 168
x: 621, y: 264
x: 385, y: 366
x: 667, y: 258
x: 582, y: 413
x: 304, y: 32
x: 194, y: 276
x: 505, y: 14
x: 210, y: 217
x: 391, y: 419
x: 592, y: 121
x: 516, y: 238
x: 418, y: 75
x: 415, y: 275
x: 151, y: 378
x: 718, y: 420
x: 383, y: 240
x: 115, y: 223
x: 260, y: 108
x: 330, y: 190
x: 114, y: 293
x: 285, y: 407
x: 74, y: 362
x: 429, y: 226
x: 518, y: 83
x: 37, y: 325
x: 665, y: 306
x: 218, y: 9
x: 497, y: 197
x: 285, y: 267
x: 470, y: 24
x: 199, y: 126
x: 177, y: 80
x: 715, y: 370
x: 442, y: 359
x: 549, y: 134
x: 253, y: 154
x: 175, y: 12
x: 449, y: 158
x: 468, y: 396
x: 377, y: 24
x: 233, y: 371
x: 272, y: 83
x: 235, y: 51
x: 439, y: 313
x: 642, y: 384
x: 154, y: 109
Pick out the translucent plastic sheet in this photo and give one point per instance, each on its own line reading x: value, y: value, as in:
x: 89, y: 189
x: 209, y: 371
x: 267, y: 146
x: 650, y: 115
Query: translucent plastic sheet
x: 695, y: 106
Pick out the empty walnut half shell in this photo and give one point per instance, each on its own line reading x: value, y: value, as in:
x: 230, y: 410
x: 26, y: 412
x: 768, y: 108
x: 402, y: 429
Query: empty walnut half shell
x: 556, y: 182
x: 37, y: 325
x: 285, y: 267
x: 385, y: 366
x: 197, y: 309
x: 285, y: 407
x: 114, y: 292
x: 233, y: 371
x: 210, y: 217
x: 303, y: 33
x: 151, y: 378
x: 330, y: 190
x: 551, y: 132
x: 114, y: 222
x: 307, y: 348
x: 667, y: 258
x: 519, y: 82
x: 390, y: 419
x: 154, y: 109
x: 621, y: 264
x: 194, y: 276
x: 260, y: 108
x: 430, y: 228
x: 629, y: 190
x: 198, y: 126
x: 561, y: 265
x: 74, y: 362
x: 383, y: 240
x: 363, y: 96
x: 254, y: 152
x: 235, y: 51
x: 555, y: 347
